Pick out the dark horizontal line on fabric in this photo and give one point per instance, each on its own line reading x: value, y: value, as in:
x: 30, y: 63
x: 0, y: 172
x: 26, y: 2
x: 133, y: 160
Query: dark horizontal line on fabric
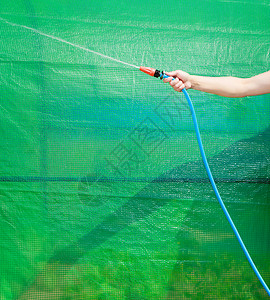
x: 122, y: 179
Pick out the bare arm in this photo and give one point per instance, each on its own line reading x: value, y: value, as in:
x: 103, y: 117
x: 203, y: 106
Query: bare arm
x: 223, y: 86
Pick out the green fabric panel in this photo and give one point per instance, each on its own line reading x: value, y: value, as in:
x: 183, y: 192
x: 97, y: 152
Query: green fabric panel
x: 102, y: 188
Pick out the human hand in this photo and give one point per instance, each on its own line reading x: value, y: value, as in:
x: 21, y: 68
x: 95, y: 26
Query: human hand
x: 178, y: 80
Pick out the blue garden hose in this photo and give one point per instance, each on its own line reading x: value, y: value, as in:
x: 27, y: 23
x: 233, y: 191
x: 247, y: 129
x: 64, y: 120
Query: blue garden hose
x: 216, y: 190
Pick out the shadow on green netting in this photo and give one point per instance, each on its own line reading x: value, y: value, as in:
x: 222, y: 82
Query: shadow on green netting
x: 208, y: 250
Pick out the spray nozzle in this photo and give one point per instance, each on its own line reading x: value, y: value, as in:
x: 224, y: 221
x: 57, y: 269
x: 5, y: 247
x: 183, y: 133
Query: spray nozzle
x: 153, y: 72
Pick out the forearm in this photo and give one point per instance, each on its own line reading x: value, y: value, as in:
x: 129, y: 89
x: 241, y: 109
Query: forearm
x: 223, y: 86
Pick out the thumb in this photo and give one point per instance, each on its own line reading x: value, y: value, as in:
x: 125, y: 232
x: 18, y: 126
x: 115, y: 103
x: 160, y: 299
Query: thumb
x: 172, y: 74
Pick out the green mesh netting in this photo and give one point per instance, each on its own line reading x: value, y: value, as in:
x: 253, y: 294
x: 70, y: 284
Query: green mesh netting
x: 103, y: 191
